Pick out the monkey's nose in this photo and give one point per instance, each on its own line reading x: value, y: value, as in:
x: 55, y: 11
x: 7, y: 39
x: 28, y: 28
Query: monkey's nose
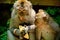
x: 22, y: 10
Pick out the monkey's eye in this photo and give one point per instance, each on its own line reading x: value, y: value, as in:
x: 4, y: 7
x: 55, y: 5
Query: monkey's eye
x: 26, y: 7
x: 18, y: 6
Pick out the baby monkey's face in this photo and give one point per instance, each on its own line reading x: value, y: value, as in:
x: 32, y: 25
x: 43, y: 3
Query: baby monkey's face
x: 41, y: 16
x: 22, y: 6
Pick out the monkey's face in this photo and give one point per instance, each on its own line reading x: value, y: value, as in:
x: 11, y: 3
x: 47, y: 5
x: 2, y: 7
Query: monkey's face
x: 22, y: 7
x: 41, y: 16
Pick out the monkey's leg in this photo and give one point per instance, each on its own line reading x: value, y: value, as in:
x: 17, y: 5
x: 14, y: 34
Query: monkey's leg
x: 38, y: 33
x: 58, y: 36
x: 31, y: 35
x: 10, y: 36
x: 48, y: 35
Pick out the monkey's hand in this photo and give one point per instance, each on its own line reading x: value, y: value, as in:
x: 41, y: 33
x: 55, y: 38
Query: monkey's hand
x: 31, y: 27
x: 26, y: 29
x: 16, y: 32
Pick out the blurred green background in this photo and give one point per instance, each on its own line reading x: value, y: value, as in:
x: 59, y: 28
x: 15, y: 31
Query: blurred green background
x: 5, y: 14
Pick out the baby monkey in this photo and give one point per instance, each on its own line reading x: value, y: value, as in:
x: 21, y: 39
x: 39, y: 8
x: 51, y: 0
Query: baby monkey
x: 46, y: 27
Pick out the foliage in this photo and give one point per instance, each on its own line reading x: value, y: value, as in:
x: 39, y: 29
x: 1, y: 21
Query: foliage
x: 8, y: 22
x: 55, y: 13
x: 2, y: 29
x: 57, y: 19
x: 50, y: 11
x: 3, y: 36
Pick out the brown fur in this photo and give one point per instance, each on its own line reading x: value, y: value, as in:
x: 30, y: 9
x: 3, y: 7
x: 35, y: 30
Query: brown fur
x: 43, y: 30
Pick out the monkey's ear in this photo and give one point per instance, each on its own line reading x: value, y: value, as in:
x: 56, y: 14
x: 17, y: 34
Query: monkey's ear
x: 47, y: 16
x: 37, y: 16
x: 30, y: 6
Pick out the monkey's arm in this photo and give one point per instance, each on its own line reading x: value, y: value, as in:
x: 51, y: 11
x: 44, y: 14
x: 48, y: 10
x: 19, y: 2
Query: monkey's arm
x: 31, y: 27
x: 32, y: 21
x: 13, y: 13
x: 15, y: 31
x: 14, y: 26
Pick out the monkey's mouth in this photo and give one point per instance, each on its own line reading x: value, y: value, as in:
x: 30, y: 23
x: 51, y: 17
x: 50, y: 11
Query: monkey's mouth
x: 22, y: 13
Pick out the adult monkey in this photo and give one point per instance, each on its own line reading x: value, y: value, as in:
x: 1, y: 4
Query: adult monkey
x: 22, y: 14
x: 46, y: 26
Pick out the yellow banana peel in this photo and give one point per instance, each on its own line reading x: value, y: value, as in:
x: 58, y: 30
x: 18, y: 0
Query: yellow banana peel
x: 21, y: 29
x: 26, y: 36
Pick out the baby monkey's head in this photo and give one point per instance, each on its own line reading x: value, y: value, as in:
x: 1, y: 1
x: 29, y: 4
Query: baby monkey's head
x: 41, y: 16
